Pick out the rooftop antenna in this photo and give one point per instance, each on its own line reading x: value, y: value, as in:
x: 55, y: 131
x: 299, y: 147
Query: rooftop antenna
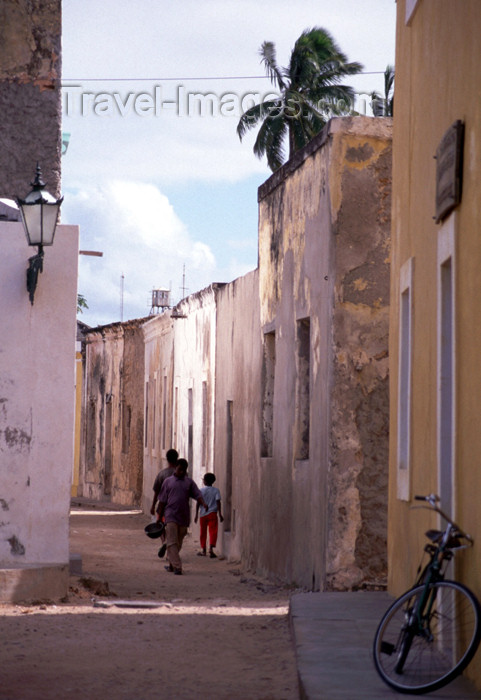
x: 121, y: 297
x: 183, y: 288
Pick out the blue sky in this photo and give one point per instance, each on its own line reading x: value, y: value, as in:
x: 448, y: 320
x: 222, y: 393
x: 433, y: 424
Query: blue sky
x: 154, y: 187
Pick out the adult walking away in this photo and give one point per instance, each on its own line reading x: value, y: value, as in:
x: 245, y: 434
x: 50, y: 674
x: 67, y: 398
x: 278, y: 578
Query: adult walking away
x: 173, y: 506
x: 171, y: 456
x: 209, y: 517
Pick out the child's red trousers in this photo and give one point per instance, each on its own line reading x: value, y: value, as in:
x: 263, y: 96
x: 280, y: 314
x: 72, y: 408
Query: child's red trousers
x: 208, y: 521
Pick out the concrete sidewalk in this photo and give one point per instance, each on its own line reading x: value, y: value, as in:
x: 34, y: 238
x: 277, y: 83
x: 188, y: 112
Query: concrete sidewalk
x: 333, y: 635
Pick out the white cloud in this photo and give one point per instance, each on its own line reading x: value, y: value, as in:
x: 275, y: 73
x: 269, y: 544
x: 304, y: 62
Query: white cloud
x: 141, y: 238
x: 117, y: 167
x: 183, y: 40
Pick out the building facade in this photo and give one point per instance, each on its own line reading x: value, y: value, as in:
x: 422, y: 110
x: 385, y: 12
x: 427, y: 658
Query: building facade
x: 436, y: 286
x: 238, y: 378
x: 324, y: 249
x: 179, y: 386
x: 37, y: 379
x: 111, y: 465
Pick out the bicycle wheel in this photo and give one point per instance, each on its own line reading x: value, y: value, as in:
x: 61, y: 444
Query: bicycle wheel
x: 416, y: 655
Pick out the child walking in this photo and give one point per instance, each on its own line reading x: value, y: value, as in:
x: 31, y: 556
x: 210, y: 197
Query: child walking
x: 208, y: 516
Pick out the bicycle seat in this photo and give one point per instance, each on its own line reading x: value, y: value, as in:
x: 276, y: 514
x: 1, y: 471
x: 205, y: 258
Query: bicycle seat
x: 434, y: 535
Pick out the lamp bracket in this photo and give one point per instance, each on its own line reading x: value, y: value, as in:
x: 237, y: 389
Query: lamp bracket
x: 34, y: 268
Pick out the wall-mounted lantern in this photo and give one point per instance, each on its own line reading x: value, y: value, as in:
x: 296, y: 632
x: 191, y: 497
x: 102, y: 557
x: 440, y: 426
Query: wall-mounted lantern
x: 39, y: 211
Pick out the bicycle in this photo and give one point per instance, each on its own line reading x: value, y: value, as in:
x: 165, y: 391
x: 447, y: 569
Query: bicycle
x: 430, y: 634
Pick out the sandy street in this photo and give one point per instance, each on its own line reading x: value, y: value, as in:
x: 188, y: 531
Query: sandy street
x: 218, y: 632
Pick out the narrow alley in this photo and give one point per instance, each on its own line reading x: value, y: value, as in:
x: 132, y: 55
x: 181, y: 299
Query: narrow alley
x: 132, y: 631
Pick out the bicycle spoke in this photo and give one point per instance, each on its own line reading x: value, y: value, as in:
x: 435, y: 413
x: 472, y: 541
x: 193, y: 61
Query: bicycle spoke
x: 419, y: 653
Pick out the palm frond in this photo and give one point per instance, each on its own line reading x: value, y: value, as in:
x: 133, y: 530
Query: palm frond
x: 268, y: 56
x: 257, y: 113
x: 311, y: 92
x: 388, y: 80
x: 270, y: 142
x: 316, y: 53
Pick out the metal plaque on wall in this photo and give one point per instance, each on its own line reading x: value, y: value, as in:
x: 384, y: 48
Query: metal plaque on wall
x: 449, y: 170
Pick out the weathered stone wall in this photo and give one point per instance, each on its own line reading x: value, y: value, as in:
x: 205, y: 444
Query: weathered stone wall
x: 324, y: 285
x: 296, y: 285
x: 237, y: 417
x: 361, y: 202
x: 127, y: 484
x: 179, y: 387
x: 37, y: 379
x: 194, y: 382
x: 30, y: 94
x: 111, y: 466
x: 158, y: 399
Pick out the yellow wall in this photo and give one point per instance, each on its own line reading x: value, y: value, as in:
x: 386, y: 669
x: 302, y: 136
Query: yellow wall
x: 438, y: 58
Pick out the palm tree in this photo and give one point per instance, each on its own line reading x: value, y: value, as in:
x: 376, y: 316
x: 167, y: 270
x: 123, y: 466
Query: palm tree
x: 384, y: 106
x: 309, y: 94
x: 81, y: 303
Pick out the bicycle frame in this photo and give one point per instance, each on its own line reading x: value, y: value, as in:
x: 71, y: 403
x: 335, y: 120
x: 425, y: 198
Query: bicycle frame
x: 431, y: 632
x: 418, y: 623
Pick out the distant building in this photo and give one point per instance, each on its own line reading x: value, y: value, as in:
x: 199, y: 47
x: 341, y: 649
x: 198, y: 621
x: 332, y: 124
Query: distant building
x: 111, y: 452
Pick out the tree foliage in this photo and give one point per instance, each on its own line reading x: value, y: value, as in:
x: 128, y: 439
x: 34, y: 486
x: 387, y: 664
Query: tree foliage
x: 384, y: 106
x: 81, y: 303
x: 310, y: 91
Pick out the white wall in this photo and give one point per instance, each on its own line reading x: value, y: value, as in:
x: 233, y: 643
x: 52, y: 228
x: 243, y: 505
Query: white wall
x: 37, y: 383
x: 158, y: 376
x: 194, y: 363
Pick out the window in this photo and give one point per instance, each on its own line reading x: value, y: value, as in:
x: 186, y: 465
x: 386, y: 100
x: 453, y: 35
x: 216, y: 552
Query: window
x: 126, y: 423
x: 303, y: 367
x: 154, y: 431
x: 204, y: 424
x: 190, y: 453
x: 445, y: 354
x: 91, y: 441
x: 404, y: 380
x: 268, y: 375
x: 108, y: 446
x: 176, y: 415
x: 229, y: 521
x: 164, y: 413
x: 146, y: 428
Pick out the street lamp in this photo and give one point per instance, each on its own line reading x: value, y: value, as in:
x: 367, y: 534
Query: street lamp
x: 39, y: 211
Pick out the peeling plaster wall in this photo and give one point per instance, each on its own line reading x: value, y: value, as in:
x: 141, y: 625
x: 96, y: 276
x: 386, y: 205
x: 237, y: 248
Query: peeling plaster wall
x: 324, y: 262
x: 112, y: 453
x: 361, y: 203
x: 179, y: 387
x: 158, y: 385
x: 194, y: 380
x: 237, y: 417
x: 30, y: 95
x: 37, y: 381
